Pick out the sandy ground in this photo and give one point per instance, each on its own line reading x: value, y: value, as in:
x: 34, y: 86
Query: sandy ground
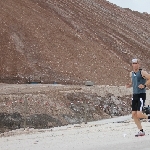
x: 116, y: 133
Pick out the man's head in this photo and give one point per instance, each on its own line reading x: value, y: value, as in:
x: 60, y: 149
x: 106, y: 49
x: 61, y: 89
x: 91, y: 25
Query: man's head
x: 135, y: 64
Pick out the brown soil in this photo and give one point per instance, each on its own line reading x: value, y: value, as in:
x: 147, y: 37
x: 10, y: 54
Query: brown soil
x: 70, y: 41
x: 46, y: 106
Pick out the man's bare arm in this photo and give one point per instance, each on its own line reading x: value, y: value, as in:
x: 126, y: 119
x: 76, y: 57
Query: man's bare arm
x: 128, y: 85
x: 146, y: 76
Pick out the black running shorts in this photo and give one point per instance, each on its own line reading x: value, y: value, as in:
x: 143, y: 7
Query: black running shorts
x: 138, y: 101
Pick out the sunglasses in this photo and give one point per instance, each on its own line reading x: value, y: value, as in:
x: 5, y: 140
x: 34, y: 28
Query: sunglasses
x: 134, y: 63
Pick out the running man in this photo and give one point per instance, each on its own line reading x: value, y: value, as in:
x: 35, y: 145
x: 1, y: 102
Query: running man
x: 139, y: 80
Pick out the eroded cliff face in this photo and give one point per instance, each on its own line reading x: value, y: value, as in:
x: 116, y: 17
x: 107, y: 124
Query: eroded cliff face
x: 70, y: 41
x: 47, y: 105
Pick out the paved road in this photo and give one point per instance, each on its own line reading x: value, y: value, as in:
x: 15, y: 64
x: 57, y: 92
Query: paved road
x: 115, y: 134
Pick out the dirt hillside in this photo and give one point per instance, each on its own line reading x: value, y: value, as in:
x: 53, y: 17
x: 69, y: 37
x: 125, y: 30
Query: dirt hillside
x: 70, y: 41
x: 48, y: 105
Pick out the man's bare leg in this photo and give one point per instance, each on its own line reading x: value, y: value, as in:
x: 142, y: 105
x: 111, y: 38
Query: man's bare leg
x: 136, y: 119
x: 141, y: 115
x: 136, y: 116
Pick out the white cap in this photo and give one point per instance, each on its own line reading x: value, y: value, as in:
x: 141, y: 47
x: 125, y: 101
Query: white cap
x: 134, y: 60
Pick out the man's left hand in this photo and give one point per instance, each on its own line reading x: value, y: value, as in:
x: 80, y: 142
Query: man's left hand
x: 141, y: 86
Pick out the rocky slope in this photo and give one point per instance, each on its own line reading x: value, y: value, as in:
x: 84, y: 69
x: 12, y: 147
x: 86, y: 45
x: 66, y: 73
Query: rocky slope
x: 70, y: 41
x: 46, y: 106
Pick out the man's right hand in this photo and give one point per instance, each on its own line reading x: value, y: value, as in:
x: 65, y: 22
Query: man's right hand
x: 128, y: 85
